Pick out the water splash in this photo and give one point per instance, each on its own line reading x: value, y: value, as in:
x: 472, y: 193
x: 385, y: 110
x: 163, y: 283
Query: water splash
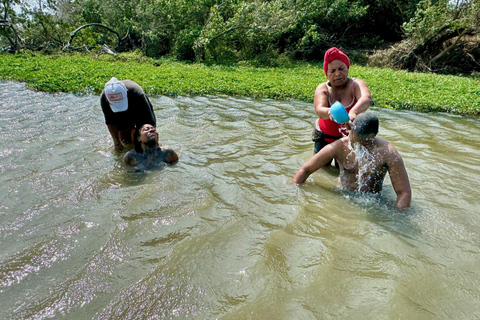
x: 342, y: 129
x: 365, y: 162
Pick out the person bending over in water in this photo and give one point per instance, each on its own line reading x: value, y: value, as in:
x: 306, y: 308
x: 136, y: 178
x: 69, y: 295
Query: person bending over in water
x: 350, y: 92
x: 364, y: 159
x: 125, y: 107
x: 147, y: 153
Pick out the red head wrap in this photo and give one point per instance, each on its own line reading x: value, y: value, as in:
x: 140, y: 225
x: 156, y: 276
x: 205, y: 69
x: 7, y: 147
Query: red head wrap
x: 334, y: 54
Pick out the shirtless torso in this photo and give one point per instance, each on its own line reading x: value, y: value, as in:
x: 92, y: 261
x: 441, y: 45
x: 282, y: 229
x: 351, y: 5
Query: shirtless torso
x: 363, y: 169
x: 150, y: 159
x: 364, y: 163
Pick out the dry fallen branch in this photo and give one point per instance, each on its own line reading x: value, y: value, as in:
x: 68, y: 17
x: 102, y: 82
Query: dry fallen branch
x: 106, y: 50
x: 74, y: 32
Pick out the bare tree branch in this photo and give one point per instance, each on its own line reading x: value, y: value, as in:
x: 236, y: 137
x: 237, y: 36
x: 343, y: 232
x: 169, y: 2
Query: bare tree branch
x: 452, y: 46
x: 74, y: 32
x: 16, y: 41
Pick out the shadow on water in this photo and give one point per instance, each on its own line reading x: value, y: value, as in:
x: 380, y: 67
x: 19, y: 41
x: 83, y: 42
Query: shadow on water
x: 225, y: 233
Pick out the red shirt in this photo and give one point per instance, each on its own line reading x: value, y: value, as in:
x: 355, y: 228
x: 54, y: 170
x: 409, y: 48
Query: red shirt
x: 332, y: 128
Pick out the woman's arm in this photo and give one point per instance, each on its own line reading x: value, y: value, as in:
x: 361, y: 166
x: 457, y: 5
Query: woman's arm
x: 363, y: 97
x: 320, y: 101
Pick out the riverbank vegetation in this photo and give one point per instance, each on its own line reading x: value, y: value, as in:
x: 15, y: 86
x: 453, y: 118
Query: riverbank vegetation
x: 440, y: 36
x: 85, y: 74
x: 264, y: 49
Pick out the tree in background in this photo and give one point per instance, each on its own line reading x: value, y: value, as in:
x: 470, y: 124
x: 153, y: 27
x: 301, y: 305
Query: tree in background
x: 436, y: 34
x: 8, y: 31
x: 321, y: 24
x: 384, y: 19
x: 443, y: 36
x: 243, y: 32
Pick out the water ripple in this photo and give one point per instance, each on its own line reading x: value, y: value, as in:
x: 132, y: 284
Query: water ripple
x: 225, y: 233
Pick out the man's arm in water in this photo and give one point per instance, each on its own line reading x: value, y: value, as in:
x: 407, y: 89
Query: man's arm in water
x: 170, y: 156
x: 321, y: 158
x: 130, y: 159
x: 399, y: 178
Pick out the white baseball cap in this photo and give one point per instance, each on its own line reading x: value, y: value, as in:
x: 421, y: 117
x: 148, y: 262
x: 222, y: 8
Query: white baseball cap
x: 116, y: 94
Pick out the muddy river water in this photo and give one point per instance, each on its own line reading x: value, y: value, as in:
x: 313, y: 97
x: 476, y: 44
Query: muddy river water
x: 225, y: 233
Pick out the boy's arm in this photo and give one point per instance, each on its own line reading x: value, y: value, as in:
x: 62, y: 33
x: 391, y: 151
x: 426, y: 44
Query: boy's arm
x: 129, y: 158
x: 170, y: 156
x: 321, y: 158
x: 399, y: 178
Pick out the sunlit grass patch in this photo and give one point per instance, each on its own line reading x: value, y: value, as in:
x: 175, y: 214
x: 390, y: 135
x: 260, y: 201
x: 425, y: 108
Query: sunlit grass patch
x: 79, y: 74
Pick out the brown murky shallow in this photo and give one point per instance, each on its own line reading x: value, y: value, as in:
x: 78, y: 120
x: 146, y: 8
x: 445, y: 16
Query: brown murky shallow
x: 225, y: 233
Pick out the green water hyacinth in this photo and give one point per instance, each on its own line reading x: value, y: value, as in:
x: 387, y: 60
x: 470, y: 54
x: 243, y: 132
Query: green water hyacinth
x: 80, y: 74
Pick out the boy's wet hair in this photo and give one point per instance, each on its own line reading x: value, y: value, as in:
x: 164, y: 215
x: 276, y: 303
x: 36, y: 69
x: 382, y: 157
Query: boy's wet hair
x: 366, y: 124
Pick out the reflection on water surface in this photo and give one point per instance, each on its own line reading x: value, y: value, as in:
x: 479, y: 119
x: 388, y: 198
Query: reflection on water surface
x: 225, y: 233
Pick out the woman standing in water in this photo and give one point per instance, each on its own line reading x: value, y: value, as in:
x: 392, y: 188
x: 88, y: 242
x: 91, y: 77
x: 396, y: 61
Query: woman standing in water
x: 350, y: 92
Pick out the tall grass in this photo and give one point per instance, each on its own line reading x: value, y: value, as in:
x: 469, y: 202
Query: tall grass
x: 390, y: 89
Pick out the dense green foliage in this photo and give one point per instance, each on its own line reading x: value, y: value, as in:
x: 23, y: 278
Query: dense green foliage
x: 390, y: 89
x: 211, y: 30
x: 442, y: 37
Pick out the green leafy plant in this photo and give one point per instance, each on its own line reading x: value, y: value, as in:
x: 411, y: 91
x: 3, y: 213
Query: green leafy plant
x: 82, y: 74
